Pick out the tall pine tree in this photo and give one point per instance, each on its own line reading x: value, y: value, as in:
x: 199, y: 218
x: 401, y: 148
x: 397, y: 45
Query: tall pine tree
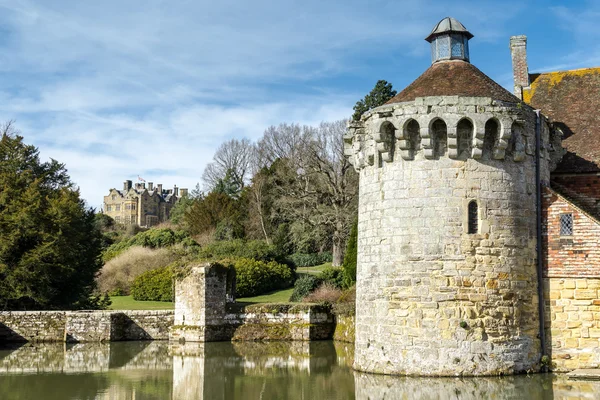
x: 380, y: 94
x: 49, y: 244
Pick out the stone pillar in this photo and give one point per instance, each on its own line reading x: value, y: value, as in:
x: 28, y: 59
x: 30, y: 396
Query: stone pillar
x: 518, y: 52
x: 201, y: 297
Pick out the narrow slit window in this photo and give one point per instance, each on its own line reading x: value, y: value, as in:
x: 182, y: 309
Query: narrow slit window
x: 473, y: 221
x: 566, y: 224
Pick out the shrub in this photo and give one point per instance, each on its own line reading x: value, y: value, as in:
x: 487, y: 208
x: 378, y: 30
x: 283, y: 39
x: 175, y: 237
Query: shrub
x: 117, y: 275
x: 333, y: 276
x: 325, y: 293
x: 309, y: 259
x: 152, y: 238
x: 238, y: 248
x: 154, y: 285
x: 257, y: 277
x: 349, y: 264
x: 303, y: 286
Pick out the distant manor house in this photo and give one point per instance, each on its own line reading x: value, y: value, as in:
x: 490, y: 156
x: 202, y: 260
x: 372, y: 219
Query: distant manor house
x: 140, y: 205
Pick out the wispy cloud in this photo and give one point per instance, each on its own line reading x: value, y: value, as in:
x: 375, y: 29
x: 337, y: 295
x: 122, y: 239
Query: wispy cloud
x: 118, y: 89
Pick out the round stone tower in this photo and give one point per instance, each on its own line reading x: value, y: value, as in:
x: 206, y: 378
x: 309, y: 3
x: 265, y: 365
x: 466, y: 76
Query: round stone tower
x: 446, y: 278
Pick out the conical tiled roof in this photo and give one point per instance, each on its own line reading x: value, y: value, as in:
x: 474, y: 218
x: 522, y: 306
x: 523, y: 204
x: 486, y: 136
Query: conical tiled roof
x: 454, y: 78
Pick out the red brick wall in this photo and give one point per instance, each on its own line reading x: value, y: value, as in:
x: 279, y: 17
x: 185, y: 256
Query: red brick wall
x: 586, y: 185
x: 569, y: 256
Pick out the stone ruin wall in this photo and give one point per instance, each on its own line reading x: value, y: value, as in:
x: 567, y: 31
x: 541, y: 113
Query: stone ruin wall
x: 431, y: 298
x: 84, y: 326
x: 205, y: 312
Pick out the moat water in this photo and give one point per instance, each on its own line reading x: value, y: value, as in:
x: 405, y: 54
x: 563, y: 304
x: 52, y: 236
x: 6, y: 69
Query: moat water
x: 216, y: 371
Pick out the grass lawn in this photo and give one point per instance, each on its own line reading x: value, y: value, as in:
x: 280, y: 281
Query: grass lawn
x: 280, y: 296
x: 316, y: 270
x: 128, y: 303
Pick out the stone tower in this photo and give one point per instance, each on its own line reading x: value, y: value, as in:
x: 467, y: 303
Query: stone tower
x: 446, y: 278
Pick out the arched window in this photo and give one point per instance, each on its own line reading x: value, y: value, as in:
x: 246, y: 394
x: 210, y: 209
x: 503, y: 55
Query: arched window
x: 439, y: 137
x: 490, y: 138
x: 388, y: 134
x: 473, y: 223
x: 412, y: 133
x: 464, y: 133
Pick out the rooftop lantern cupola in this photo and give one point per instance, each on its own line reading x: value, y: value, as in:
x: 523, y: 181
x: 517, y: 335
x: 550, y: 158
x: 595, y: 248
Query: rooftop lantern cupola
x: 449, y: 41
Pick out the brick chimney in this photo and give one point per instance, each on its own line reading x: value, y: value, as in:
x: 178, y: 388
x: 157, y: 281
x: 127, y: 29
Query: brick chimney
x: 518, y: 52
x: 159, y: 188
x: 127, y: 185
x: 184, y: 192
x: 175, y: 190
x: 150, y: 186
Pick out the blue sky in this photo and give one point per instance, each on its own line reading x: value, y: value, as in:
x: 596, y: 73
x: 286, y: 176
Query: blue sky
x: 117, y: 89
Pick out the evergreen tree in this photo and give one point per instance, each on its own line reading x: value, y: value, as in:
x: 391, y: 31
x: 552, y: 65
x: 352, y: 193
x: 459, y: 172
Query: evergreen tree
x: 350, y: 256
x: 380, y: 94
x: 49, y: 241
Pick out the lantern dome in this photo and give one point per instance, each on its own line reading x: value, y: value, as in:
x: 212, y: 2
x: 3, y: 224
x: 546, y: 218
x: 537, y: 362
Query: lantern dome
x: 449, y: 41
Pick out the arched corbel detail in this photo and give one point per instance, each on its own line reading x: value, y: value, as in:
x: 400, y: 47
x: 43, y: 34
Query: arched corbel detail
x: 384, y: 136
x: 504, y: 134
x: 409, y: 138
x: 478, y: 135
x: 424, y: 129
x: 518, y: 141
x: 452, y: 137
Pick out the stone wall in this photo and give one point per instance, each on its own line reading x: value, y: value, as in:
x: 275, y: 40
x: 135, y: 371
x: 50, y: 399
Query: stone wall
x: 32, y: 326
x: 282, y: 322
x: 84, y: 326
x: 573, y: 322
x: 344, y: 328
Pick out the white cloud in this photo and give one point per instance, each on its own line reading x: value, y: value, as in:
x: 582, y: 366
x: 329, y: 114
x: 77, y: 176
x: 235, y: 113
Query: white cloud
x: 114, y: 89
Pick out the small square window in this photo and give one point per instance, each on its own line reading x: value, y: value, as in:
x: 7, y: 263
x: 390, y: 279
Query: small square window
x: 566, y: 224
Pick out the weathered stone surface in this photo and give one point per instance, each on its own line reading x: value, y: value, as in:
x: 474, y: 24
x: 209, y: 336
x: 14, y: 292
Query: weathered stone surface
x: 572, y: 322
x: 432, y: 298
x: 84, y: 326
x: 32, y: 326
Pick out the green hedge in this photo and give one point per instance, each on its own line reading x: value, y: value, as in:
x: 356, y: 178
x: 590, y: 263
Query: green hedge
x: 309, y: 259
x: 332, y: 275
x: 258, y: 277
x: 304, y: 286
x: 154, y: 285
x: 239, y: 248
x: 153, y: 238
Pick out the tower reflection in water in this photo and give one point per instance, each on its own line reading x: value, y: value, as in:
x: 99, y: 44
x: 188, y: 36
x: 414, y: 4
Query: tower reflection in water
x: 275, y: 370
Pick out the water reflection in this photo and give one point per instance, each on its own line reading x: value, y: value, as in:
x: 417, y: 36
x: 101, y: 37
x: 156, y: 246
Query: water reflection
x: 276, y: 370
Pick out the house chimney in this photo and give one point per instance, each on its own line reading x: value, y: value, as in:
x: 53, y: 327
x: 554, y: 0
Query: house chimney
x: 150, y: 186
x: 159, y: 188
x: 127, y: 185
x: 184, y: 192
x: 175, y: 190
x: 518, y: 52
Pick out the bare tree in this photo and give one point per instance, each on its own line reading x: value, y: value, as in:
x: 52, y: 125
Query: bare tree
x: 233, y: 157
x: 283, y: 142
x: 338, y: 183
x: 8, y: 129
x: 317, y: 185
